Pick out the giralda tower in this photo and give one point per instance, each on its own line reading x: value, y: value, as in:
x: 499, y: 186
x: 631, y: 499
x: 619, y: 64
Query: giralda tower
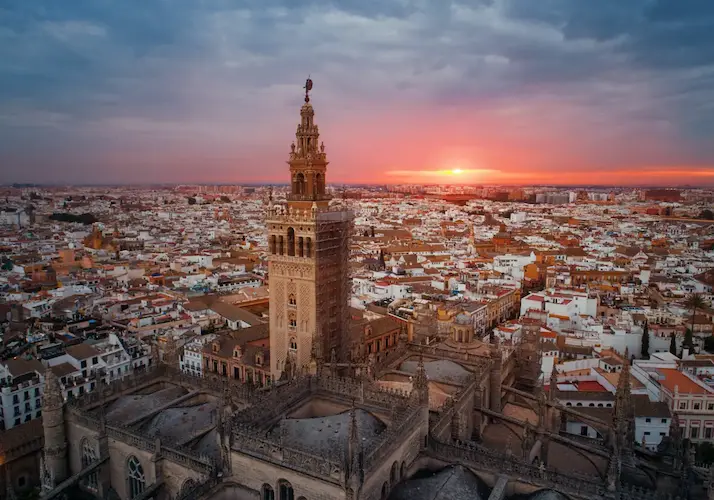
x: 308, y: 242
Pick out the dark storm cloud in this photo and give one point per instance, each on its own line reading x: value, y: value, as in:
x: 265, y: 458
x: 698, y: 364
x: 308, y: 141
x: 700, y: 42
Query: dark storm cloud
x: 101, y: 71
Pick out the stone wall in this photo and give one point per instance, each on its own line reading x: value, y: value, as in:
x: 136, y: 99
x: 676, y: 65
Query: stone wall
x: 254, y: 473
x: 399, y: 460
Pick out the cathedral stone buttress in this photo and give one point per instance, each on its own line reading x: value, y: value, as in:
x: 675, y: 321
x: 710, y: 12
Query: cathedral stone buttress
x: 53, y: 421
x: 308, y: 243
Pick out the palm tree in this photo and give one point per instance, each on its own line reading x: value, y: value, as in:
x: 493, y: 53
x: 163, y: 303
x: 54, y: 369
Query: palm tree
x: 694, y: 302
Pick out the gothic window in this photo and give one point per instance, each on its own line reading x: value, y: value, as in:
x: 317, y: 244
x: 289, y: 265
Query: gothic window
x: 301, y: 247
x: 186, y: 488
x: 293, y: 344
x: 291, y: 299
x: 273, y: 243
x: 291, y: 242
x: 292, y: 320
x: 286, y: 490
x: 308, y: 247
x: 88, y: 457
x: 281, y: 248
x: 267, y: 492
x: 136, y: 477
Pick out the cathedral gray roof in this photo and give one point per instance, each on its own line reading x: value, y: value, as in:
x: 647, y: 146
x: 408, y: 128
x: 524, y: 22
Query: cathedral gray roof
x: 323, y: 434
x: 454, y: 482
x: 441, y: 370
x: 127, y: 407
x: 174, y: 424
x: 546, y: 495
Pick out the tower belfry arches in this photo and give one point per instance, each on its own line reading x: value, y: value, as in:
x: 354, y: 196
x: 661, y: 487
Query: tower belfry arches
x: 309, y: 258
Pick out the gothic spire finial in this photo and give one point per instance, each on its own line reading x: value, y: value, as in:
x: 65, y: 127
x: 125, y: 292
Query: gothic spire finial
x: 421, y: 382
x: 52, y: 397
x: 553, y: 386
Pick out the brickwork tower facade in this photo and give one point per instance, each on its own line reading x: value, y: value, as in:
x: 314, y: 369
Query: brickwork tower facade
x: 308, y: 243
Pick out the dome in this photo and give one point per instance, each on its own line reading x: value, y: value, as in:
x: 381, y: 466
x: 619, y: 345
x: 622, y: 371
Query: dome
x: 463, y: 319
x: 444, y: 370
x: 454, y: 482
x: 324, y: 434
x: 547, y: 495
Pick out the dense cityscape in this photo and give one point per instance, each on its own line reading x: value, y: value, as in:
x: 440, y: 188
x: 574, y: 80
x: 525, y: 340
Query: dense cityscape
x: 357, y: 250
x: 305, y: 341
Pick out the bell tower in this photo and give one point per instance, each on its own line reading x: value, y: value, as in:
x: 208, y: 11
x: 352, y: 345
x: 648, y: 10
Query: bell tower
x: 308, y: 162
x: 308, y: 263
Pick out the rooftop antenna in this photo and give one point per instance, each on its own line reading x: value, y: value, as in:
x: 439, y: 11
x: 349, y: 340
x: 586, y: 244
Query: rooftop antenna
x: 308, y: 88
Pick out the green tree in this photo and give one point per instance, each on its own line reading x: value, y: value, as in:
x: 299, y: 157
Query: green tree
x: 688, y: 342
x: 645, y: 342
x: 672, y: 344
x: 192, y: 200
x: 694, y: 302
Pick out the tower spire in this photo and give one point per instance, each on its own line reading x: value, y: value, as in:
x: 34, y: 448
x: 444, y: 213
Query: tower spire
x: 553, y: 386
x: 421, y: 383
x: 623, y: 418
x: 308, y: 162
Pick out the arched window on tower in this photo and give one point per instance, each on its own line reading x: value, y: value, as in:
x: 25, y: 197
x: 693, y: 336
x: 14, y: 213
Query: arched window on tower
x: 308, y: 247
x: 273, y: 244
x: 91, y: 481
x: 301, y: 247
x: 319, y: 185
x: 291, y: 242
x: 291, y: 299
x: 300, y: 183
x: 281, y: 247
x: 135, y: 477
x: 293, y: 344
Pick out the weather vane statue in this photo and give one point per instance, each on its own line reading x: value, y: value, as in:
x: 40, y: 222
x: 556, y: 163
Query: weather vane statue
x: 308, y: 88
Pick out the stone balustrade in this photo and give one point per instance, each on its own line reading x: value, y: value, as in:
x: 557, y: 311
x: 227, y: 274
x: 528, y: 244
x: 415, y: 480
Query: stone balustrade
x: 481, y: 458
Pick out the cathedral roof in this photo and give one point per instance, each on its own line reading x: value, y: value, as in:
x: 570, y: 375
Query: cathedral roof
x: 441, y: 370
x: 324, y: 434
x: 454, y: 482
x: 546, y: 495
x: 132, y: 405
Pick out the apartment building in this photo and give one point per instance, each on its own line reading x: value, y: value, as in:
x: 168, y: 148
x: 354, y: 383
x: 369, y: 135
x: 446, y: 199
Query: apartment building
x: 21, y: 383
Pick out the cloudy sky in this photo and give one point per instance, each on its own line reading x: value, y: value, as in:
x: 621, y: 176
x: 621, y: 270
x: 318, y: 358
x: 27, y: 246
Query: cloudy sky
x: 496, y: 91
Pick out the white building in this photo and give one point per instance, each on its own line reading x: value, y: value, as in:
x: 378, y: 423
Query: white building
x: 77, y: 369
x: 560, y: 304
x: 652, y: 421
x: 21, y: 384
x: 191, y: 361
x: 115, y: 360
